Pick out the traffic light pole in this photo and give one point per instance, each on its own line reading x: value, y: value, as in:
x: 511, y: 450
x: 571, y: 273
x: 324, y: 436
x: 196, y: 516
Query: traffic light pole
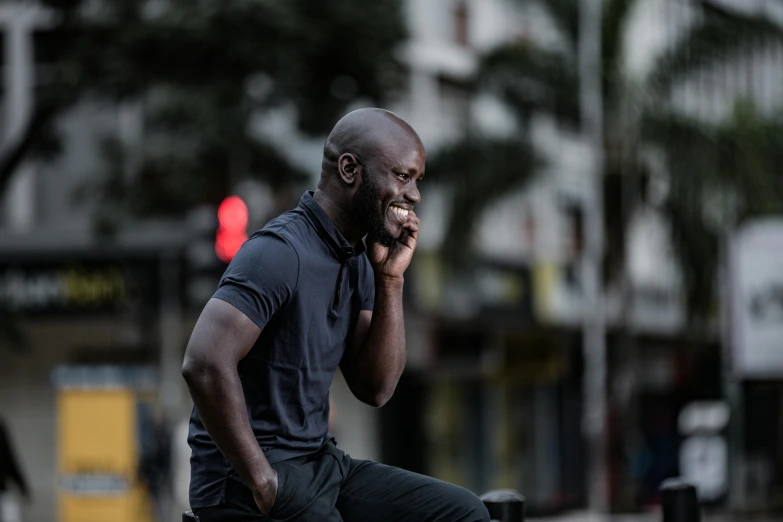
x: 594, y: 327
x: 171, y: 339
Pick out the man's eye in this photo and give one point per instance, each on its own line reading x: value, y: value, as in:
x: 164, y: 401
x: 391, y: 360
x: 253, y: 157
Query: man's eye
x: 404, y: 177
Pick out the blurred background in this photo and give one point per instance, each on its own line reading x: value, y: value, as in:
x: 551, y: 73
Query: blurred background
x: 596, y: 302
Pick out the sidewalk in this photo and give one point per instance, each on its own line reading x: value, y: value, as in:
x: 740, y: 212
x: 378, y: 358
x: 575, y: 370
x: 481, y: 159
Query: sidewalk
x: 651, y: 517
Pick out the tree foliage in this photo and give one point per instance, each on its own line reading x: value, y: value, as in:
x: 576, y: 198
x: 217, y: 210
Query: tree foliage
x: 731, y: 163
x: 723, y: 175
x: 487, y: 169
x: 202, y: 71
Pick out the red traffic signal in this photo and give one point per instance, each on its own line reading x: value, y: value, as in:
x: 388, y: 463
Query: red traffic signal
x: 232, y: 227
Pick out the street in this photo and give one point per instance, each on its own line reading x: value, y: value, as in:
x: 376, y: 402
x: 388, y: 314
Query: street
x: 654, y: 517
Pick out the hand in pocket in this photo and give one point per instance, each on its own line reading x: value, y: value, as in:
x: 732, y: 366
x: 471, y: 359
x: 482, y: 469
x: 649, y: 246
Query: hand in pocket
x: 266, y: 494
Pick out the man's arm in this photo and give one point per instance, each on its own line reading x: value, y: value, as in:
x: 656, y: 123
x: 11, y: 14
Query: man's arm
x: 375, y: 358
x: 222, y: 337
x: 374, y: 362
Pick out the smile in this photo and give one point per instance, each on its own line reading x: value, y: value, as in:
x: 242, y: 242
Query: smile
x: 399, y: 211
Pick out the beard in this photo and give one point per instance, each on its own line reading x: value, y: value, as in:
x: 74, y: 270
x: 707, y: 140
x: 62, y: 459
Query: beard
x: 367, y: 208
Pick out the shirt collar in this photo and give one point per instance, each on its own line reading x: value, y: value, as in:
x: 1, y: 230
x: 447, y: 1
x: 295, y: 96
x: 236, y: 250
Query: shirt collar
x: 326, y: 229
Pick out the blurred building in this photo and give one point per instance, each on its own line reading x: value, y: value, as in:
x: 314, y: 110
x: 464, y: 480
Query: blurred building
x: 77, y: 299
x: 499, y: 348
x: 500, y: 380
x: 701, y: 363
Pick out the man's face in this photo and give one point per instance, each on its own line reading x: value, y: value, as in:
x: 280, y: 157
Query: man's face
x: 387, y: 194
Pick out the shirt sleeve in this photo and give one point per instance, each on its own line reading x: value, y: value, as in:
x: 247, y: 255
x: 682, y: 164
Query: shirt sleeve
x: 261, y: 278
x: 367, y: 284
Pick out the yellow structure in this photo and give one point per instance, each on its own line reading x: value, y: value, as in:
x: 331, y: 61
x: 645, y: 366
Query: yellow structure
x: 129, y: 506
x: 98, y: 447
x: 97, y: 432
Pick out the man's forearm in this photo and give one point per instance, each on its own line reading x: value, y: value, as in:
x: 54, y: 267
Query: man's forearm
x: 382, y: 357
x: 217, y: 394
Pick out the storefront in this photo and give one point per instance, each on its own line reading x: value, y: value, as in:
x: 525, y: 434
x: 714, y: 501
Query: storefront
x: 652, y: 379
x: 513, y: 420
x: 91, y: 309
x: 495, y: 401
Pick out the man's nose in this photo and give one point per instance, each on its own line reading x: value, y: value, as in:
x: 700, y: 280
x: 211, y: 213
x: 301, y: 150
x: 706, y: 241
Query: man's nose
x: 413, y: 195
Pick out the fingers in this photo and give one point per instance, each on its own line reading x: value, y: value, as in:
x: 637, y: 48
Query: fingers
x: 412, y: 225
x: 410, y: 231
x: 377, y: 253
x: 409, y: 239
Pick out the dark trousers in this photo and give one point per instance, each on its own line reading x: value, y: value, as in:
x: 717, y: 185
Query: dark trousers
x: 330, y: 486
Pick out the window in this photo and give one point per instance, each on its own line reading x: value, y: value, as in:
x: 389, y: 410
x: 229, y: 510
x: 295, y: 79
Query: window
x: 461, y: 23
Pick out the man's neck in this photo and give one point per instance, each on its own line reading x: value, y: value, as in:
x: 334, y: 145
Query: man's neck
x: 338, y: 215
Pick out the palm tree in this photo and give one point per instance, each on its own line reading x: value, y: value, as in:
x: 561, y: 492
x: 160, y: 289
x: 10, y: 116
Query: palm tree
x: 531, y: 79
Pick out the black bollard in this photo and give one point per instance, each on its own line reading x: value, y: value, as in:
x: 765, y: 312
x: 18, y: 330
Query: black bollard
x: 188, y: 516
x: 679, y: 502
x: 504, y: 505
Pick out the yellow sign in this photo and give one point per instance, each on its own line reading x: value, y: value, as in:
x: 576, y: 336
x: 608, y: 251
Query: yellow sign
x: 98, y: 432
x: 98, y: 447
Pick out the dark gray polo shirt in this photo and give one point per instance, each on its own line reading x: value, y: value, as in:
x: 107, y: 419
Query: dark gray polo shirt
x: 301, y: 282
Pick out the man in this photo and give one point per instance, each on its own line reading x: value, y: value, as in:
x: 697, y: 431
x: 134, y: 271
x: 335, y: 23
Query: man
x: 10, y: 472
x: 302, y: 297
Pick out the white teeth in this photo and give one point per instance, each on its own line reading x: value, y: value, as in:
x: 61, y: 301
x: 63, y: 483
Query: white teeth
x: 401, y: 211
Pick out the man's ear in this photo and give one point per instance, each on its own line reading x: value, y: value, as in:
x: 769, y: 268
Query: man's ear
x: 349, y: 168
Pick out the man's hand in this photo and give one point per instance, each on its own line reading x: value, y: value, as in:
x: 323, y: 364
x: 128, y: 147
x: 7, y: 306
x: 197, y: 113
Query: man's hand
x: 266, y: 493
x: 394, y: 260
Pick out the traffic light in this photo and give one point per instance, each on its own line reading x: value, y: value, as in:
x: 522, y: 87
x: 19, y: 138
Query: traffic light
x: 232, y: 217
x: 215, y: 237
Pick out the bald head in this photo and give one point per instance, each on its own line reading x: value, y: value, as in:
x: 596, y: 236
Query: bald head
x: 367, y: 134
x: 373, y: 162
